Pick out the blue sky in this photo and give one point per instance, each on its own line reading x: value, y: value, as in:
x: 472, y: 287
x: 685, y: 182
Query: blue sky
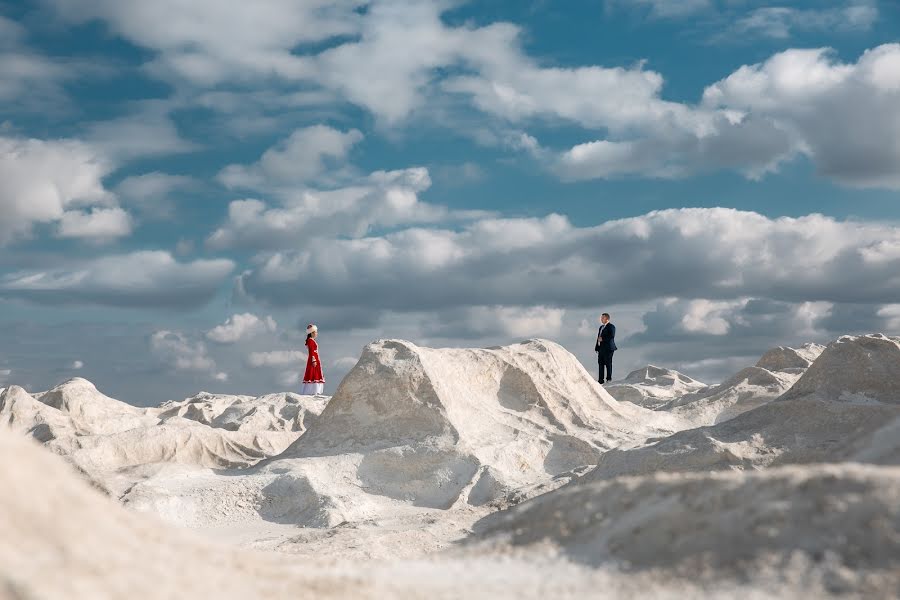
x: 184, y: 185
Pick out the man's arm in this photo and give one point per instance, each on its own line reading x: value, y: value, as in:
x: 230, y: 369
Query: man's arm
x: 610, y: 332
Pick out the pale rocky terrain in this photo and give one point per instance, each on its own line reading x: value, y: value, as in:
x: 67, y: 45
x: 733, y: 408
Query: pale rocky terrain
x: 749, y: 388
x: 842, y: 408
x: 836, y: 523
x: 410, y: 434
x: 478, y: 473
x: 653, y: 387
x: 116, y: 444
x: 673, y: 392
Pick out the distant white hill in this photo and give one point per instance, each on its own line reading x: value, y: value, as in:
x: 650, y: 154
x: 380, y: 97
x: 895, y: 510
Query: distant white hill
x: 116, y: 444
x: 835, y: 411
x: 653, y: 387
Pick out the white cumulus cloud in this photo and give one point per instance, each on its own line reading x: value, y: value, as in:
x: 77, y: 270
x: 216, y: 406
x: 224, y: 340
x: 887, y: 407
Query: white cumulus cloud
x: 207, y: 42
x: 97, y: 224
x: 381, y: 199
x: 686, y: 253
x: 175, y: 349
x: 846, y: 116
x: 240, y: 327
x: 40, y: 180
x: 300, y: 158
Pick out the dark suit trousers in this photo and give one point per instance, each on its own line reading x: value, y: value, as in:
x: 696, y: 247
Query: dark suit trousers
x: 604, y: 357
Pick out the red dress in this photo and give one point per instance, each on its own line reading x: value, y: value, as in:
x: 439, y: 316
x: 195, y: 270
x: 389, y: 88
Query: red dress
x: 313, y: 364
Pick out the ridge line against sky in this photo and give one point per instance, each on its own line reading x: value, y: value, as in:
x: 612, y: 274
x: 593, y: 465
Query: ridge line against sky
x: 185, y: 185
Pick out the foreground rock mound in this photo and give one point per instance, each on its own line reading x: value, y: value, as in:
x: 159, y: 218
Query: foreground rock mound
x: 842, y: 408
x: 414, y: 432
x: 840, y: 520
x: 653, y: 387
x: 55, y: 531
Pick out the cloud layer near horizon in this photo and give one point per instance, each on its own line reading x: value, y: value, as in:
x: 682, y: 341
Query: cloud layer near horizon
x: 687, y: 253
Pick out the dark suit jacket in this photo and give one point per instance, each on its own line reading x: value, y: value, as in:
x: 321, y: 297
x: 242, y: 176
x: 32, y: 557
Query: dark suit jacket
x: 609, y: 338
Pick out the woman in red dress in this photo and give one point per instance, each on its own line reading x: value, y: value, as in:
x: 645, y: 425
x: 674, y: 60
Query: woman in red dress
x: 313, y: 379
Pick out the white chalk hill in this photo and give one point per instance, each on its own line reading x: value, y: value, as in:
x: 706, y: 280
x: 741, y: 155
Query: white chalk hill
x: 61, y: 539
x: 114, y: 443
x: 822, y: 532
x: 413, y: 431
x: 844, y: 407
x: 773, y: 375
x: 653, y: 387
x: 424, y: 428
x: 668, y: 390
x: 273, y: 412
x: 506, y: 417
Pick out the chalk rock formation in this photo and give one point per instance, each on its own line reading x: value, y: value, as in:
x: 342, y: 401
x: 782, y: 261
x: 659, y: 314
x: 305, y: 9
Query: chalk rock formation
x: 413, y: 432
x: 103, y: 436
x: 653, y: 387
x: 274, y: 412
x: 841, y: 522
x: 430, y: 423
x: 55, y: 531
x: 745, y: 390
x: 425, y: 428
x: 834, y: 412
x: 785, y: 359
x: 773, y: 374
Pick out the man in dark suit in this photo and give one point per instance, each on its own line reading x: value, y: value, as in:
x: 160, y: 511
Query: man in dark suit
x: 605, y: 347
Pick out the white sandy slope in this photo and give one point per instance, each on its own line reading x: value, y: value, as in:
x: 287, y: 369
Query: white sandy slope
x: 839, y: 525
x: 411, y: 433
x: 525, y: 412
x: 773, y: 374
x: 61, y: 539
x: 116, y: 444
x: 652, y: 387
x: 786, y: 359
x: 844, y: 407
x: 273, y: 412
x: 795, y: 532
